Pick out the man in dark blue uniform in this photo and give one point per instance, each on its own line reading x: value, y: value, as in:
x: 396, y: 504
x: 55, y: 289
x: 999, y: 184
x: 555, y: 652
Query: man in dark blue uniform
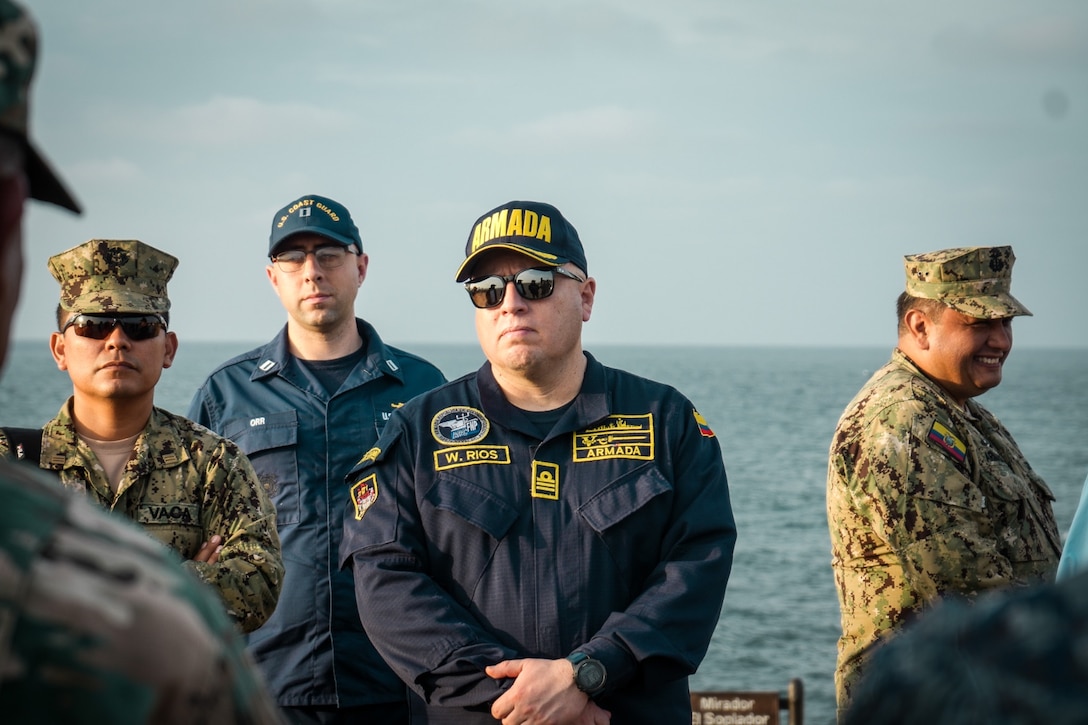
x: 547, y: 539
x: 301, y: 407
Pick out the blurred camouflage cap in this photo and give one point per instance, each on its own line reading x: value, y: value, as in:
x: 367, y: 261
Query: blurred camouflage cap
x: 109, y: 275
x: 18, y: 53
x: 971, y: 280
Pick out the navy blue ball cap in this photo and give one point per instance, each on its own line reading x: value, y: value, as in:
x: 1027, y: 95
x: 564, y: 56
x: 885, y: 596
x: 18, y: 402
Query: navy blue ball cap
x: 533, y: 228
x: 313, y: 214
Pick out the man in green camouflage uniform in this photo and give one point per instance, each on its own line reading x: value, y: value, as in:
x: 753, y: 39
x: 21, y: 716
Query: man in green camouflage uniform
x: 98, y: 623
x: 191, y: 489
x: 927, y: 493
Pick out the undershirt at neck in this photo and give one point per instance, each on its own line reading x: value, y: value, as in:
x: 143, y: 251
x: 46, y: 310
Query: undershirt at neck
x: 332, y: 373
x: 544, y: 420
x: 113, y: 455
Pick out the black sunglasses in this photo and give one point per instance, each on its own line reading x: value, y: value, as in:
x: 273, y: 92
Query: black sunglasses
x: 99, y: 327
x: 532, y: 284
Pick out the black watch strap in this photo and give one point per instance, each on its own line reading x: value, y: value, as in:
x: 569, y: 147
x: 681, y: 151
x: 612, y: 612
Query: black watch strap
x: 589, y: 674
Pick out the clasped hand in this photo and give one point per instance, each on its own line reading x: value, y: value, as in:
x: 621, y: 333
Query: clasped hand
x: 543, y: 693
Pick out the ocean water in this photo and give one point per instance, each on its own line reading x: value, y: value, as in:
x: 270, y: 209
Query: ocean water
x: 774, y: 410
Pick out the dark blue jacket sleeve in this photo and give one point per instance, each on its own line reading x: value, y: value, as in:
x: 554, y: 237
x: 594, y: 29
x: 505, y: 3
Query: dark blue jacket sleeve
x: 436, y: 645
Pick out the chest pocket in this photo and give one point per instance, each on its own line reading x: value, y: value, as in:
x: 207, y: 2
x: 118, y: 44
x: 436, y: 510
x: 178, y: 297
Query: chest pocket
x: 467, y: 522
x: 624, y: 513
x: 270, y: 441
x: 1023, y: 522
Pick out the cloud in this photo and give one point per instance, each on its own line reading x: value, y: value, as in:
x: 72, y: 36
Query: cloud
x: 573, y: 130
x: 1050, y: 40
x: 226, y: 121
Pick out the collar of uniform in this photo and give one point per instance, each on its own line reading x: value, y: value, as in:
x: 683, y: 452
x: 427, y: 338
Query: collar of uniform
x: 169, y: 449
x: 594, y: 402
x: 60, y: 445
x: 379, y: 357
x: 971, y: 409
x: 274, y: 357
x: 590, y: 406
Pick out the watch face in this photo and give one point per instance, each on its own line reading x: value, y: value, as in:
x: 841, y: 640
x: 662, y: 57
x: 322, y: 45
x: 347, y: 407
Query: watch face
x: 590, y: 675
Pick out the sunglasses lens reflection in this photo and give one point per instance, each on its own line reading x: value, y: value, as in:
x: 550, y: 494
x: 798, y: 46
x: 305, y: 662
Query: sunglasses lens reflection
x: 99, y: 328
x: 531, y: 284
x: 535, y: 284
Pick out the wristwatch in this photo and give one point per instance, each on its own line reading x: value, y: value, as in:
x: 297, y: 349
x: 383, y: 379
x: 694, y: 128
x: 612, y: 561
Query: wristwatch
x: 589, y: 674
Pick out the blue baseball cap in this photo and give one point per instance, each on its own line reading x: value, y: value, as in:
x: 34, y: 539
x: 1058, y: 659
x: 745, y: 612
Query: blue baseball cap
x: 313, y: 214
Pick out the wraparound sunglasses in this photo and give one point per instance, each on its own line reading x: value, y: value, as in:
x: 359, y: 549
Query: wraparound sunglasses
x: 99, y: 327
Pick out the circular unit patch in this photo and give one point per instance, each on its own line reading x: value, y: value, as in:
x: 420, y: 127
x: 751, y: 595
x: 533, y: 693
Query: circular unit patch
x: 459, y: 425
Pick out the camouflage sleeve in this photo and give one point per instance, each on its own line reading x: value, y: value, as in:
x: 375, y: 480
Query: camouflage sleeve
x: 5, y: 446
x: 102, y: 624
x: 924, y: 508
x: 249, y: 571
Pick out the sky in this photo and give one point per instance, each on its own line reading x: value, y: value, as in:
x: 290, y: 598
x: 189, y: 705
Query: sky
x: 740, y: 173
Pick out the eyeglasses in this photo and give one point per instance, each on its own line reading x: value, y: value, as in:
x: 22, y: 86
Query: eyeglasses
x: 329, y: 257
x: 99, y: 327
x: 532, y: 284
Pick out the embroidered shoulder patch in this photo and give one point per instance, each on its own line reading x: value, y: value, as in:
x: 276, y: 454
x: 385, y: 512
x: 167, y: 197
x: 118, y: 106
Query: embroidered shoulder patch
x: 704, y: 427
x: 364, y: 494
x: 947, y: 440
x: 370, y: 455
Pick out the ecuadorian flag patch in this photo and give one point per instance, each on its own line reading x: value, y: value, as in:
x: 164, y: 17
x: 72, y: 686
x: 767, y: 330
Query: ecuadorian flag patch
x: 704, y: 427
x: 948, y: 441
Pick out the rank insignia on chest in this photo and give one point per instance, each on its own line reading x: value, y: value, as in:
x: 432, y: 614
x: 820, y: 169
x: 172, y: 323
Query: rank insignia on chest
x: 545, y: 480
x: 947, y: 440
x: 364, y: 494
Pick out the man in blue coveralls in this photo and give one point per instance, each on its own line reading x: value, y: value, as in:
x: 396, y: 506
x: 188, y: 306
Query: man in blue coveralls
x: 547, y: 539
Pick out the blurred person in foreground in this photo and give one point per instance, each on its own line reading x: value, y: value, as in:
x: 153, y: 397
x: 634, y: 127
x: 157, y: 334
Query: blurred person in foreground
x: 190, y: 489
x: 928, y: 494
x: 302, y: 407
x: 1016, y: 657
x: 546, y: 540
x: 100, y: 623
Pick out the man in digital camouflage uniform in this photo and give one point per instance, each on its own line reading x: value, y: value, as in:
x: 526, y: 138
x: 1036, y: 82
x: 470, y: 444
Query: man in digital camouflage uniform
x: 927, y: 493
x: 98, y: 623
x: 191, y: 489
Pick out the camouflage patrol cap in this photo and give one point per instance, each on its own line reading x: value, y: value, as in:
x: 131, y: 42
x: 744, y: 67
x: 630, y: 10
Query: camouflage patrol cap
x: 18, y: 54
x: 110, y: 275
x: 536, y: 230
x: 971, y: 280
